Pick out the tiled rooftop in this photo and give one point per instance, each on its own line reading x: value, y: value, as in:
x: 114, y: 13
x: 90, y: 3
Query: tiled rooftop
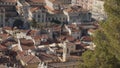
x: 86, y: 38
x: 2, y: 47
x: 28, y: 59
x: 34, y: 9
x: 27, y: 44
x: 48, y: 57
x: 74, y: 9
x: 36, y: 1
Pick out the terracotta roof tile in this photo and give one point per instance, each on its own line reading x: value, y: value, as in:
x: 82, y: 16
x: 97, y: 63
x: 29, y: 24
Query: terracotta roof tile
x: 48, y: 8
x: 31, y: 32
x: 27, y: 44
x: 2, y: 66
x: 2, y: 47
x: 36, y: 1
x: 7, y: 28
x: 33, y: 9
x: 45, y: 36
x: 75, y: 9
x: 8, y: 43
x: 86, y: 38
x: 37, y: 38
x: 27, y: 47
x: 70, y: 44
x: 28, y: 58
x: 70, y: 38
x: 77, y: 42
x: 4, y: 36
x: 48, y: 57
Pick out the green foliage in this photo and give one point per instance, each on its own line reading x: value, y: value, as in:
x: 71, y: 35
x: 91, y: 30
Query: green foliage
x: 107, y: 39
x: 112, y: 7
x: 104, y: 55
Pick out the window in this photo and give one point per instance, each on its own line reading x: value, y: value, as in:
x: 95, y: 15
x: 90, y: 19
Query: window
x: 79, y: 14
x: 63, y: 19
x: 38, y: 16
x: 48, y: 19
x: 60, y: 19
x: 42, y: 20
x: 67, y: 50
x: 52, y: 18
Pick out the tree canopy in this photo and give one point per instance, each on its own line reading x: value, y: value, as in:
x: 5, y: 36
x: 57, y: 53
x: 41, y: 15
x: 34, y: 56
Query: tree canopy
x: 107, y: 40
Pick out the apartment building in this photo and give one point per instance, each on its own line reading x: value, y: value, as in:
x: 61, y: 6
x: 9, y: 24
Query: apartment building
x: 98, y: 12
x: 37, y: 10
x: 9, y: 6
x: 43, y: 11
x: 96, y: 7
x: 57, y: 17
x: 10, y: 10
x: 8, y: 2
x: 76, y: 14
x: 38, y: 14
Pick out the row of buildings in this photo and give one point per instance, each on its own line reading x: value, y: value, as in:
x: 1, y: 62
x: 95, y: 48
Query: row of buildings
x: 79, y: 11
x: 56, y: 46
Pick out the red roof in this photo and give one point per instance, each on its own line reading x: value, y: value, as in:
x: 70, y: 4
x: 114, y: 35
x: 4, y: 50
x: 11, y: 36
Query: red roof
x: 27, y: 47
x: 48, y: 57
x: 86, y: 38
x: 47, y: 7
x: 27, y: 58
x: 36, y: 1
x: 4, y: 36
x: 27, y: 44
x: 7, y: 28
x: 2, y: 47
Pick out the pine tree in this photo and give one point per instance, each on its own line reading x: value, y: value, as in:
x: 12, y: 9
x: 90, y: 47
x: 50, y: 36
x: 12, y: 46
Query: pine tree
x: 107, y: 40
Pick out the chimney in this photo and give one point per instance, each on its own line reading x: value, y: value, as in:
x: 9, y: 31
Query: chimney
x: 19, y: 45
x: 64, y: 51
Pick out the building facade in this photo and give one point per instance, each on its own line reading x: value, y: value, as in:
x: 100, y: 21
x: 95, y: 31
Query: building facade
x: 10, y: 7
x: 76, y: 14
x: 57, y: 17
x: 98, y: 12
x: 86, y: 4
x: 39, y: 16
x: 2, y: 17
x: 10, y: 10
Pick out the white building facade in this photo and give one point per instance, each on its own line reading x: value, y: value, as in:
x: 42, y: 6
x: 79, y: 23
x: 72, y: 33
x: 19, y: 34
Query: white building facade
x: 77, y: 15
x: 39, y: 16
x: 98, y: 12
x: 57, y: 17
